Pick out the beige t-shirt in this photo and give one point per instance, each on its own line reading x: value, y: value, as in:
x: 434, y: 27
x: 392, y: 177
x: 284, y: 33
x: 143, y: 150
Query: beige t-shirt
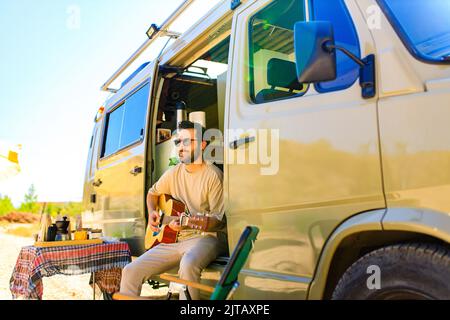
x: 201, y: 192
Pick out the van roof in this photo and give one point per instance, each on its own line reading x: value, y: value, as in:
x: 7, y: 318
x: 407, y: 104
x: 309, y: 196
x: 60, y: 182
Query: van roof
x: 206, y: 31
x: 208, y: 26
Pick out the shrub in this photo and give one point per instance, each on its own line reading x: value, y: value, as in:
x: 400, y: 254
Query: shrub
x: 6, y: 205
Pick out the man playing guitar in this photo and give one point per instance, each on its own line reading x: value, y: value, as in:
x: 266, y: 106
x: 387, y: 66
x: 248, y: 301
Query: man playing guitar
x: 199, y: 186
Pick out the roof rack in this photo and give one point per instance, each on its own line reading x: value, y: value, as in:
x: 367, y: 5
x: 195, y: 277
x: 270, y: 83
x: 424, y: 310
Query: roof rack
x: 153, y: 33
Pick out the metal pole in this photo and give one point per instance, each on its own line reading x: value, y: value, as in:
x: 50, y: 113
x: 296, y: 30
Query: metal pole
x: 166, y: 24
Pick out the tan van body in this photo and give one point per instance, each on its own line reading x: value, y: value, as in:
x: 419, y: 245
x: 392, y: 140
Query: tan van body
x: 353, y: 174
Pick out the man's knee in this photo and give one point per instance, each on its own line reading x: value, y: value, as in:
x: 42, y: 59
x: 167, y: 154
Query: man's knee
x: 133, y: 271
x: 190, y: 264
x: 128, y: 269
x: 128, y: 272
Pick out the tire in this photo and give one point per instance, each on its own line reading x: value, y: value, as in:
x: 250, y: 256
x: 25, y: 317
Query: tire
x: 411, y: 271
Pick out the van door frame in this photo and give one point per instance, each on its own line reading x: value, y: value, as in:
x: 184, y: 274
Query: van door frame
x: 101, y: 217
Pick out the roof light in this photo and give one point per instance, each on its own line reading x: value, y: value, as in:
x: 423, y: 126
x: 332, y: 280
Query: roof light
x: 152, y: 31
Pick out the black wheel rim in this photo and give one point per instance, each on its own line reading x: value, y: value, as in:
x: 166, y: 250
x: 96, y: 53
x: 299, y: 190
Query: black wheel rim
x: 401, y: 294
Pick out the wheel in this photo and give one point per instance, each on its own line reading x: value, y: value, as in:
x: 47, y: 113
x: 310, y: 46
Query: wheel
x: 410, y: 271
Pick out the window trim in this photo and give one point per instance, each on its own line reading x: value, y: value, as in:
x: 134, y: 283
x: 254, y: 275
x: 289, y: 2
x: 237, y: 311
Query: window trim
x: 401, y: 33
x: 342, y: 87
x: 251, y: 67
x: 105, y: 129
x: 93, y: 150
x: 117, y: 105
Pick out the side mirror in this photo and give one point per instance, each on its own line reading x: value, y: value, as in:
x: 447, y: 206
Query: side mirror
x: 315, y: 63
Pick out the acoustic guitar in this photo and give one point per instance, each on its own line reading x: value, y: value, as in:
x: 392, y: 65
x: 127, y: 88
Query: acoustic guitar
x: 169, y: 209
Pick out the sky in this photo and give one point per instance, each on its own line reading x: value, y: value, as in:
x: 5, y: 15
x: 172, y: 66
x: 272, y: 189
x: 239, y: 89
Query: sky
x: 54, y: 56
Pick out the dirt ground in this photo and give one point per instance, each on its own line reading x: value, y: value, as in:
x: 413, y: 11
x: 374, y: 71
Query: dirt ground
x: 56, y: 287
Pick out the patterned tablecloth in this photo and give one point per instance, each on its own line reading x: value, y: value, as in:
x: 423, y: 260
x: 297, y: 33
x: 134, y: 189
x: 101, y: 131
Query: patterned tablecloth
x: 106, y: 260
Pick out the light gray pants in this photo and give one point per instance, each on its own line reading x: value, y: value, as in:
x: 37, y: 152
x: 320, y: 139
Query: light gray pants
x: 191, y: 255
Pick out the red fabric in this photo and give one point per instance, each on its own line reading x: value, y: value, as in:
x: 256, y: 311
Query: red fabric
x: 33, y: 263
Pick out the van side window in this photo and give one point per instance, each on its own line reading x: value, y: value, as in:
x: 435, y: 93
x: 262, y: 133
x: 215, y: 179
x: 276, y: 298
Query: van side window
x: 112, y: 131
x: 125, y: 124
x: 272, y: 60
x: 345, y: 36
x: 134, y: 117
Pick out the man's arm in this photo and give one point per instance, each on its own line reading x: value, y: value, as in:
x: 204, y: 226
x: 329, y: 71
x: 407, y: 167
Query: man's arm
x: 153, y: 214
x: 152, y: 201
x: 162, y: 186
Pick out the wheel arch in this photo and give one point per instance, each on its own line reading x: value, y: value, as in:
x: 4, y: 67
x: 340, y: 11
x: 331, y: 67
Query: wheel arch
x: 369, y: 231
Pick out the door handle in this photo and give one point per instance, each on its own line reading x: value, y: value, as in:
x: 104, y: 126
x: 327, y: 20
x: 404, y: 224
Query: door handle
x: 97, y: 183
x: 240, y: 142
x: 136, y: 170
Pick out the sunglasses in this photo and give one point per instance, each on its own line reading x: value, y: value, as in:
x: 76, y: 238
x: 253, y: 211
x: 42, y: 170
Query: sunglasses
x: 186, y: 141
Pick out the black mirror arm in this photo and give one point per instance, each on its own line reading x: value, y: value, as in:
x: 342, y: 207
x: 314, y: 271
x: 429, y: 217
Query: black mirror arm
x: 366, y: 70
x: 327, y: 46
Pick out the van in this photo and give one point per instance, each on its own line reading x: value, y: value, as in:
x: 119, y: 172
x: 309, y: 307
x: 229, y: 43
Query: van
x: 340, y: 109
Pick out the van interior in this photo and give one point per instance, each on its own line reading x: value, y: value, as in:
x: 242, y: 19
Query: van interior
x: 201, y: 86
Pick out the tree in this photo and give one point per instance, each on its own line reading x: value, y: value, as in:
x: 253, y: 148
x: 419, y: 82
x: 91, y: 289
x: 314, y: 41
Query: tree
x: 6, y: 205
x: 30, y: 201
x: 65, y: 209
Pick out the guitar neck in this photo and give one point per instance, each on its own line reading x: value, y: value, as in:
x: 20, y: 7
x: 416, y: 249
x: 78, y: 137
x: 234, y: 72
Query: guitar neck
x: 168, y: 219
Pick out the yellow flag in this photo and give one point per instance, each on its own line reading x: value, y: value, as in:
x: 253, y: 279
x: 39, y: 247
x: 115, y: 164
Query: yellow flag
x: 9, y: 160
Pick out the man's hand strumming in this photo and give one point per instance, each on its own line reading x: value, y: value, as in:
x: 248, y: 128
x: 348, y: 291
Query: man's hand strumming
x: 154, y: 221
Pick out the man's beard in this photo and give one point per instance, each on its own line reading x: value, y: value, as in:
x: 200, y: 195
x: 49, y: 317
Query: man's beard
x: 192, y: 159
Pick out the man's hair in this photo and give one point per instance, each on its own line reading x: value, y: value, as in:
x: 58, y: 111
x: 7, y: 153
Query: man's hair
x: 191, y: 125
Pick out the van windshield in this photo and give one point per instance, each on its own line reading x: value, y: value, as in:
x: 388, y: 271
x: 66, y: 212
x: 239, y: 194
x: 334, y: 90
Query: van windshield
x: 423, y: 25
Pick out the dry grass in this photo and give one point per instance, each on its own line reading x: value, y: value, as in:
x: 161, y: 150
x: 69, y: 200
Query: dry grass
x: 20, y: 224
x: 25, y: 230
x: 21, y: 217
